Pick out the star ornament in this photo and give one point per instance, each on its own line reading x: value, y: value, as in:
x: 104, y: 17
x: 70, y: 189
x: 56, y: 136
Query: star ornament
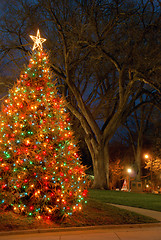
x: 38, y: 41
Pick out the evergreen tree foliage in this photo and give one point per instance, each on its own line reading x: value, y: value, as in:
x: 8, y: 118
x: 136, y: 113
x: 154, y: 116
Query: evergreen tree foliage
x: 40, y: 170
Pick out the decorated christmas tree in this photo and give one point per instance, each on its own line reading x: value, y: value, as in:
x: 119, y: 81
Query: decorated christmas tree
x: 40, y: 171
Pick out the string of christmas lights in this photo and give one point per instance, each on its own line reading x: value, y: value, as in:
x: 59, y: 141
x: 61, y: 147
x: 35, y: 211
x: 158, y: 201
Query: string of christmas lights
x: 40, y: 171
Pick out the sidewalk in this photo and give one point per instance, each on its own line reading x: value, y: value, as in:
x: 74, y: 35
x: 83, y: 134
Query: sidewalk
x: 150, y: 213
x: 126, y: 233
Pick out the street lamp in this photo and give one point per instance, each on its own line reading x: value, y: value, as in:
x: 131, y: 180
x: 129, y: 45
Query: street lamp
x: 129, y: 171
x: 146, y: 156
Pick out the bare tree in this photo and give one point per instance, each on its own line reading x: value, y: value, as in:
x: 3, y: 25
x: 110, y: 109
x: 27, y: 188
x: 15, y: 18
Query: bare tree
x: 137, y: 125
x: 102, y: 56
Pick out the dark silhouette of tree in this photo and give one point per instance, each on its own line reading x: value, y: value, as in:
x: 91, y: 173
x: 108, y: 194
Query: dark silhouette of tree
x: 104, y: 53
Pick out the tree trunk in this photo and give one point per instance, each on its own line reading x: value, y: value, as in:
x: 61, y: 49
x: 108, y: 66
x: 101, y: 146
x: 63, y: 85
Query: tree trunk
x: 101, y: 168
x: 138, y: 162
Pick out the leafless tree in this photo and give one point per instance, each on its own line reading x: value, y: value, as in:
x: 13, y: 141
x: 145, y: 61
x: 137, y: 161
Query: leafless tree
x: 138, y: 125
x: 104, y: 53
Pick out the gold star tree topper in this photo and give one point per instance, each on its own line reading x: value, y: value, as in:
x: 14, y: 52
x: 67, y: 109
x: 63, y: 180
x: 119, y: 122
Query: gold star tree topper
x: 37, y: 41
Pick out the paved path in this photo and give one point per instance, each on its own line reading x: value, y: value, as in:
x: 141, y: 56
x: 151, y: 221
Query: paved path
x: 154, y: 214
x: 145, y: 233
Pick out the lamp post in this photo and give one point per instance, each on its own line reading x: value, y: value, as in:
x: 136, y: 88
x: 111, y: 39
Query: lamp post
x: 148, y: 158
x: 129, y: 171
x: 150, y: 161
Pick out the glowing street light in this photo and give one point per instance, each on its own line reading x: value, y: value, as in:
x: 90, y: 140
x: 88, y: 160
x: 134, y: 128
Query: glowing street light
x: 129, y: 171
x: 149, y: 158
x: 146, y: 156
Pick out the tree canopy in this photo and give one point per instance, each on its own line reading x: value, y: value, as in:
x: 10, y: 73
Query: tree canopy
x: 105, y: 54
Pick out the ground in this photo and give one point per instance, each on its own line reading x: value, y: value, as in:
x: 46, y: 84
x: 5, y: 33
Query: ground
x: 93, y: 213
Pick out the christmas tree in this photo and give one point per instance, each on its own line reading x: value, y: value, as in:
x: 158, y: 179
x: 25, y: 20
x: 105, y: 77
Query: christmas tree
x: 40, y: 171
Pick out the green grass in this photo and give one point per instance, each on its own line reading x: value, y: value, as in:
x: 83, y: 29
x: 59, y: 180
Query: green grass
x: 142, y: 200
x: 94, y: 213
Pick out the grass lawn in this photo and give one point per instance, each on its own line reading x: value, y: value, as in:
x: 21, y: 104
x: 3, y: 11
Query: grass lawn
x: 142, y: 200
x: 94, y: 213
